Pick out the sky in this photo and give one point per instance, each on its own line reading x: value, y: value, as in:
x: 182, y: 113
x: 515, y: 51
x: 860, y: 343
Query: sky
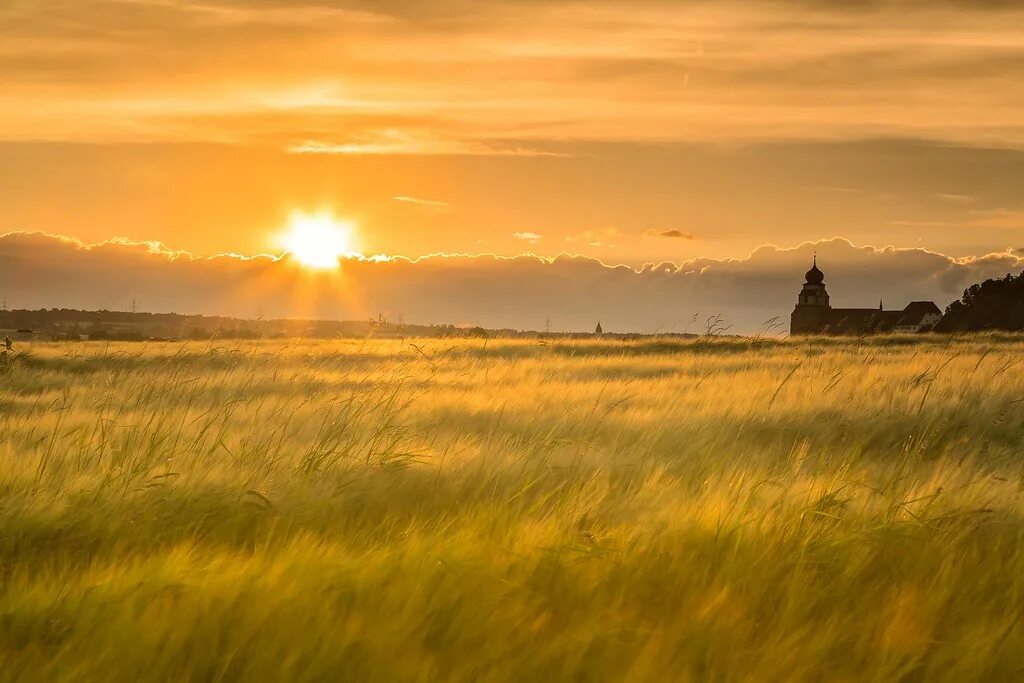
x: 696, y: 133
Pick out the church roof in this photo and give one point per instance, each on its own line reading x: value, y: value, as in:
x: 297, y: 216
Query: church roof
x: 860, y: 320
x: 915, y: 312
x: 814, y: 276
x: 859, y: 314
x: 874, y: 320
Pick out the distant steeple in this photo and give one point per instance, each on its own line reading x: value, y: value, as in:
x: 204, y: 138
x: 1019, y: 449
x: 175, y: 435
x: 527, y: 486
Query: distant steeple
x: 879, y: 304
x: 598, y: 329
x: 814, y: 276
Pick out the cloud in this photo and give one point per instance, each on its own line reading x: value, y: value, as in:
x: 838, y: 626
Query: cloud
x: 400, y: 142
x: 997, y: 218
x: 405, y: 199
x: 125, y: 70
x: 39, y: 270
x: 954, y: 198
x: 604, y: 237
x: 677, y: 234
x: 530, y: 237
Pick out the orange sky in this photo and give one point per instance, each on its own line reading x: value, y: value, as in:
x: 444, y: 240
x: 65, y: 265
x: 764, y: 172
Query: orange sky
x: 626, y: 130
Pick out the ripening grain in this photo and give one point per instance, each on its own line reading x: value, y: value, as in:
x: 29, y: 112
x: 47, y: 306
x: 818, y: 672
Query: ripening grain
x: 512, y: 511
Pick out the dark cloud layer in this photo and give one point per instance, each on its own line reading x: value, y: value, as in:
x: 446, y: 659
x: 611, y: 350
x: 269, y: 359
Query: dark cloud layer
x: 43, y: 271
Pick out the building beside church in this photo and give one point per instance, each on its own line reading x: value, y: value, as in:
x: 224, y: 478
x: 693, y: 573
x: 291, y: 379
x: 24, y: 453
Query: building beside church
x: 814, y: 315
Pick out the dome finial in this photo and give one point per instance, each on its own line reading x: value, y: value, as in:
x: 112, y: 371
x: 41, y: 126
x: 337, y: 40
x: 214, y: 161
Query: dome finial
x: 814, y: 276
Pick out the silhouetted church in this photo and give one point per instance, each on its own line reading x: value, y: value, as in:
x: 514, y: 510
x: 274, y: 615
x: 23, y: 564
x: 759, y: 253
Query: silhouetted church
x: 814, y: 315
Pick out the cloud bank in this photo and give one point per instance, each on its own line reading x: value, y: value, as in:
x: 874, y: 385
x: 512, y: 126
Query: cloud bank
x: 38, y: 271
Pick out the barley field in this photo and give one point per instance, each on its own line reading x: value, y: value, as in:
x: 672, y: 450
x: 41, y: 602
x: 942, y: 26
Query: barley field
x: 513, y: 510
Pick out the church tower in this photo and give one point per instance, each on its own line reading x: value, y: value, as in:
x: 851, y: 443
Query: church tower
x: 811, y: 312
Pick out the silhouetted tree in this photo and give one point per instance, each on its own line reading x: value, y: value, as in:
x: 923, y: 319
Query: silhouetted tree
x: 991, y: 305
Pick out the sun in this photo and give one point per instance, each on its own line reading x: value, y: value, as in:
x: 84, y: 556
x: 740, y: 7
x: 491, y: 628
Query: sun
x: 318, y: 240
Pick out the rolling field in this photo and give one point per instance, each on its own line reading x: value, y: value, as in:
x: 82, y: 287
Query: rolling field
x: 513, y: 511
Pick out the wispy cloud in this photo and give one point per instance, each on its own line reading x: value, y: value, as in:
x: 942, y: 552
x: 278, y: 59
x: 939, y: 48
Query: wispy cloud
x: 528, y: 71
x: 954, y: 198
x: 998, y: 218
x: 530, y: 237
x: 604, y: 237
x: 400, y: 143
x: 406, y: 199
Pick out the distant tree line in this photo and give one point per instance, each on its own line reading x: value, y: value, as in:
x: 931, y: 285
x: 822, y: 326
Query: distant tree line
x: 69, y: 324
x: 996, y: 304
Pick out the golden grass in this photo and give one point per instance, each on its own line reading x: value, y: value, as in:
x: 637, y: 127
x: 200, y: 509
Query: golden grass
x: 510, y: 510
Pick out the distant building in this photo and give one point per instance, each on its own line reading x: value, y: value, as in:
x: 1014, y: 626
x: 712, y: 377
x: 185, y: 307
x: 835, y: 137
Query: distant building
x: 814, y: 315
x: 598, y: 330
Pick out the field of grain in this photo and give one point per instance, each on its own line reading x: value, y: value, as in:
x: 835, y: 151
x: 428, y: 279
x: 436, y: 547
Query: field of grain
x: 502, y: 510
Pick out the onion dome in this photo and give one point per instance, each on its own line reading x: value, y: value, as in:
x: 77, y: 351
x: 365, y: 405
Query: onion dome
x: 814, y: 276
